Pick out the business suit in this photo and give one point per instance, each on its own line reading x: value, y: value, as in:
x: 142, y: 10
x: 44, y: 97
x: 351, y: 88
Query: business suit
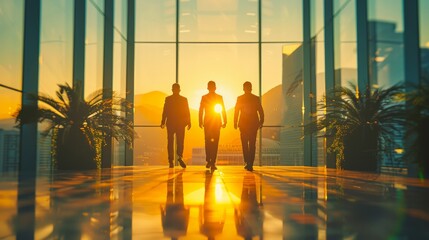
x: 212, y: 122
x: 248, y: 116
x: 176, y: 117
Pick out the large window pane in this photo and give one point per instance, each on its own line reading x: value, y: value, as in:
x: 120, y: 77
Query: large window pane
x: 345, y: 47
x: 386, y: 53
x: 221, y: 20
x: 386, y: 42
x: 94, y: 48
x: 156, y: 20
x: 120, y: 17
x: 290, y: 139
x: 11, y: 38
x: 424, y: 37
x: 11, y: 48
x: 281, y: 20
x: 317, y: 17
x: 56, y: 60
x: 9, y: 135
x: 154, y: 74
x: 281, y: 70
x: 119, y: 65
x: 318, y: 66
x: 56, y: 45
x: 229, y: 65
x: 119, y: 88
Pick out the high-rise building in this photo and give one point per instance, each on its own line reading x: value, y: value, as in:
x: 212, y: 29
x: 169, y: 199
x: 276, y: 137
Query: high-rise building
x: 9, y: 150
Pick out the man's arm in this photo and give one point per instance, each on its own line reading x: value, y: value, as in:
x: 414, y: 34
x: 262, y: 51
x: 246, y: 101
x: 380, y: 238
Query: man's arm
x: 200, y: 113
x: 164, y: 113
x: 236, y: 113
x: 261, y: 113
x: 223, y: 113
x: 188, y: 115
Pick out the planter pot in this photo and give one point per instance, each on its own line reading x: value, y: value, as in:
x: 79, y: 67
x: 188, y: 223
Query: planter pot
x: 360, y: 150
x: 74, y: 151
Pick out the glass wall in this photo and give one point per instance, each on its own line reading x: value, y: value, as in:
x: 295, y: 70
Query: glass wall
x: 227, y: 41
x: 11, y: 48
x: 345, y: 47
x: 317, y: 33
x: 386, y: 34
x: 119, y: 67
x: 281, y: 82
x: 155, y: 72
x: 386, y: 53
x: 56, y: 60
x: 424, y: 38
x: 219, y: 41
x: 94, y: 46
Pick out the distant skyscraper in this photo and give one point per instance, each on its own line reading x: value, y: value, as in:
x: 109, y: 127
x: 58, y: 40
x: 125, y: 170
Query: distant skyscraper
x: 9, y: 150
x: 291, y: 141
x: 44, y: 159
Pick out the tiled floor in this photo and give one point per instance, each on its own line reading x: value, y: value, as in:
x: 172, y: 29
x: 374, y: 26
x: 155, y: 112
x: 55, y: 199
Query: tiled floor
x: 270, y: 203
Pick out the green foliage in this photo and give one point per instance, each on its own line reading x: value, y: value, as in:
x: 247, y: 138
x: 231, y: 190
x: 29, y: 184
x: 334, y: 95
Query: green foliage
x: 417, y: 136
x: 348, y: 111
x: 98, y: 118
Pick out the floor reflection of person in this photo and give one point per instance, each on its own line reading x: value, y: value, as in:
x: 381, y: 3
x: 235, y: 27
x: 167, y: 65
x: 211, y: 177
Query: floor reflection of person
x: 174, y: 216
x: 212, y: 215
x: 212, y: 116
x: 176, y: 116
x: 249, y: 117
x: 248, y: 216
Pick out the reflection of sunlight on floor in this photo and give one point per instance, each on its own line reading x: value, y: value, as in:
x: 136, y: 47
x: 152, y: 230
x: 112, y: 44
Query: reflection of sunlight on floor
x: 272, y: 224
x: 195, y: 198
x: 290, y: 202
x: 222, y: 197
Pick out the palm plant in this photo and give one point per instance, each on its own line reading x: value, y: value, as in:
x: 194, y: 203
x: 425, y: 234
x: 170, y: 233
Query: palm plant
x: 79, y: 128
x: 418, y: 127
x: 360, y: 125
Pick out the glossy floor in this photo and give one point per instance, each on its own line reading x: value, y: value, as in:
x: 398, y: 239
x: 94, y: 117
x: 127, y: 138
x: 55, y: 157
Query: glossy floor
x: 270, y: 203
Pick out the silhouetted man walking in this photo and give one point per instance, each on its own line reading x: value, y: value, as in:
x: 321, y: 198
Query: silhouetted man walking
x: 176, y: 116
x: 248, y: 116
x: 212, y: 116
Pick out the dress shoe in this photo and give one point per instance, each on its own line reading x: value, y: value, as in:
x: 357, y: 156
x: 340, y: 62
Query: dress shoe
x: 171, y: 165
x: 181, y: 163
x: 249, y: 168
x: 213, y: 167
x: 208, y: 164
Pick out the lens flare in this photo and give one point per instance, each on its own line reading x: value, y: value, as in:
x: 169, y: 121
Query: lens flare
x: 218, y: 108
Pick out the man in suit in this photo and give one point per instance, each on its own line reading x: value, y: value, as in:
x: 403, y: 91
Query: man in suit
x: 176, y: 116
x: 212, y: 116
x: 248, y: 116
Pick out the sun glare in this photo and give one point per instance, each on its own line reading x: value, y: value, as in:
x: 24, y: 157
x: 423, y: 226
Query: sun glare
x: 218, y: 108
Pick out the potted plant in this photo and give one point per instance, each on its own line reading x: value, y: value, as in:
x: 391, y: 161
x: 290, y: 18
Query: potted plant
x: 360, y: 125
x: 80, y: 127
x: 417, y: 125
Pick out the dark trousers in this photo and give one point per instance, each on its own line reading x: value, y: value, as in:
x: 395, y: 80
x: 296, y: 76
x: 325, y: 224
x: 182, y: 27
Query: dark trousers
x: 248, y: 143
x: 180, y: 138
x: 211, y: 138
